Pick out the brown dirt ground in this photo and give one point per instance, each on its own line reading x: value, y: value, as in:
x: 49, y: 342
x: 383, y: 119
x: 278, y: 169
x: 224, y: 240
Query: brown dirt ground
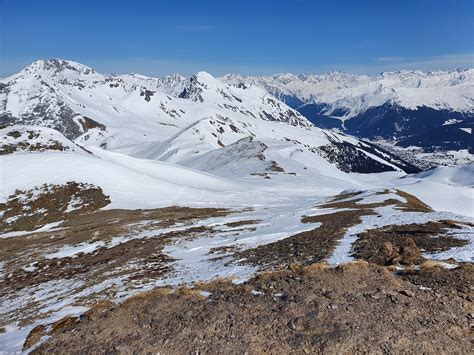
x: 138, y: 259
x: 387, y: 245
x: 458, y: 281
x: 304, y: 248
x: 242, y: 223
x: 318, y: 244
x: 356, y: 308
x: 35, y: 208
x: 307, y: 307
x: 100, y: 226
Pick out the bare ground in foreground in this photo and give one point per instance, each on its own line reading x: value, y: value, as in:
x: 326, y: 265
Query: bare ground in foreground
x: 358, y: 307
x: 296, y: 305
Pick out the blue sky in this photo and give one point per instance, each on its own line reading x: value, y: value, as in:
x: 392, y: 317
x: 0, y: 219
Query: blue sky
x: 248, y: 37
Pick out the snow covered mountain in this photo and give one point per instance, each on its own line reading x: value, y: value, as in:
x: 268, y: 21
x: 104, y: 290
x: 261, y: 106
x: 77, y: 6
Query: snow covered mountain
x: 61, y: 93
x: 173, y: 119
x: 434, y: 109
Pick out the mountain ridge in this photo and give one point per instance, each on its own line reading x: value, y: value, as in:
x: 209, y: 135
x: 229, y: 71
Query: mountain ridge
x: 173, y: 119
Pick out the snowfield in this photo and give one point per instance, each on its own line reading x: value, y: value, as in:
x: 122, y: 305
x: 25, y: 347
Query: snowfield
x: 447, y: 189
x: 127, y: 187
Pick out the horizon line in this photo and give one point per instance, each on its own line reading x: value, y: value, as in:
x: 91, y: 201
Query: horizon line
x: 230, y: 73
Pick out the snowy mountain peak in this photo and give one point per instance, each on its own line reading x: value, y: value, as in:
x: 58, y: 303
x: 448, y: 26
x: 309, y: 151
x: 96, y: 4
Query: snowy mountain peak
x: 81, y: 103
x: 56, y: 66
x: 203, y: 85
x: 64, y: 94
x: 204, y: 76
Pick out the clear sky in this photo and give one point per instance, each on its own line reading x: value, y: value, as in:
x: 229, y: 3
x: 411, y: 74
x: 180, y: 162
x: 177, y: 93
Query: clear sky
x: 248, y: 37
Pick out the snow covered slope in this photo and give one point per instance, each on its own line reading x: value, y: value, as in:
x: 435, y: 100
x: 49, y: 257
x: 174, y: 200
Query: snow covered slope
x: 459, y: 176
x: 448, y: 189
x: 19, y: 139
x: 127, y: 182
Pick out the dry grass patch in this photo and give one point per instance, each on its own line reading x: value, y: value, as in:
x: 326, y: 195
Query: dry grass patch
x: 32, y: 209
x: 431, y: 264
x: 189, y: 293
x: 216, y: 284
x: 402, y: 244
x: 243, y: 223
x: 347, y: 309
x: 156, y: 292
x: 296, y: 267
x: 344, y: 196
x: 316, y: 267
x: 413, y: 204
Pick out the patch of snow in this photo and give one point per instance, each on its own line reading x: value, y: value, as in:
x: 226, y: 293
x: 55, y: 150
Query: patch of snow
x: 73, y: 204
x: 30, y: 267
x: 72, y: 251
x: 46, y: 228
x: 368, y: 198
x: 451, y: 121
x: 12, y: 219
x: 14, y: 337
x: 460, y: 254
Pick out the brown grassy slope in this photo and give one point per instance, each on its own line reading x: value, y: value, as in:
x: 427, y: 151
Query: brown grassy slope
x: 353, y: 308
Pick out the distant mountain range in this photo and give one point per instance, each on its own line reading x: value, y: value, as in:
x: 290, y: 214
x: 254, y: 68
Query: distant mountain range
x: 432, y: 110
